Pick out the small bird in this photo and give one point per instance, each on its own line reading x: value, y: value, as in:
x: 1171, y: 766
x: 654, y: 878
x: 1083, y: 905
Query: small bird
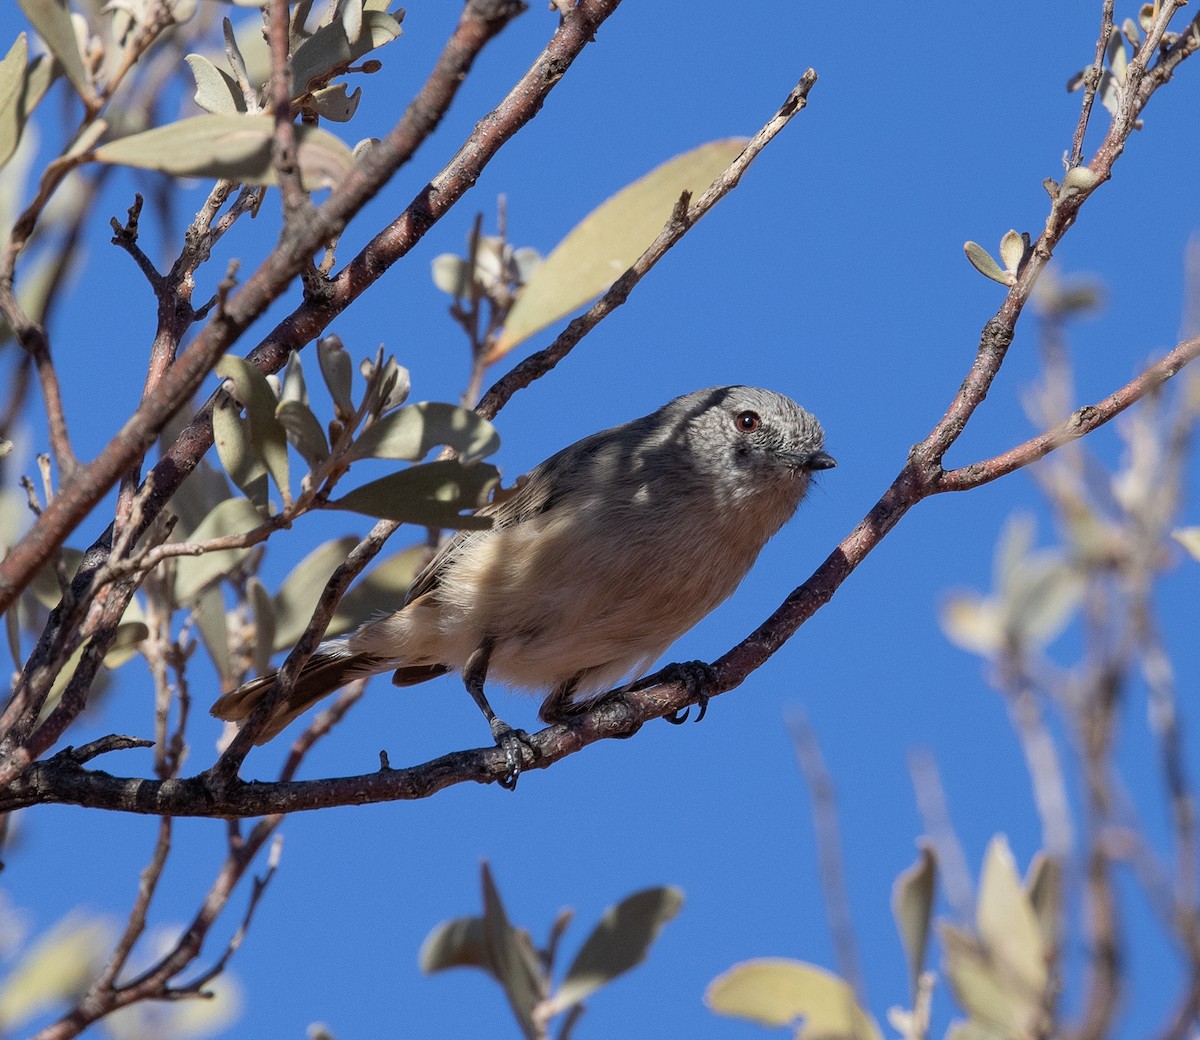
x: 596, y: 562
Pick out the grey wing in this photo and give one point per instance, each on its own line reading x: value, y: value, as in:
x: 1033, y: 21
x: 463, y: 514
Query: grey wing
x: 527, y: 498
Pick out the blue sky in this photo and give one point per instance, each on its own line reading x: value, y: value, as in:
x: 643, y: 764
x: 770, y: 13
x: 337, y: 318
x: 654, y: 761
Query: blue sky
x: 834, y: 274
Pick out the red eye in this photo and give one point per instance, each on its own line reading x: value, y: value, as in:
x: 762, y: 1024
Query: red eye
x: 747, y: 422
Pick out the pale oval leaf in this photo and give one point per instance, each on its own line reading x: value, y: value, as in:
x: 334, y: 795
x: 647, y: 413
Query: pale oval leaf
x: 451, y: 274
x: 380, y: 591
x: 973, y: 623
x: 270, y: 438
x: 976, y: 984
x: 297, y: 596
x: 433, y: 495
x: 1012, y: 251
x: 56, y: 970
x: 460, y: 943
x: 234, y: 147
x: 411, y: 432
x: 328, y: 52
x: 618, y: 943
x: 1044, y: 886
x: 303, y: 431
x: 217, y: 92
x: 52, y: 20
x: 778, y: 992
x: 982, y: 261
x: 194, y: 573
x: 912, y: 908
x: 1009, y: 927
x: 1189, y: 538
x: 338, y: 373
x: 208, y: 613
x: 334, y: 104
x: 608, y: 240
x: 125, y: 643
x: 264, y: 623
x: 511, y: 955
x: 12, y: 78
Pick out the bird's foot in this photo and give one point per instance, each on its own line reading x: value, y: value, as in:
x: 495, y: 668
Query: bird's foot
x: 514, y: 743
x: 697, y: 678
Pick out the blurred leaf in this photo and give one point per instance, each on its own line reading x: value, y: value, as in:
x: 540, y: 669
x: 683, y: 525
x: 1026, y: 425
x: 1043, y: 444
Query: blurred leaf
x: 125, y: 644
x: 45, y: 587
x: 395, y: 385
x: 410, y: 433
x: 1189, y: 538
x: 294, y: 388
x: 619, y: 942
x: 329, y: 52
x: 778, y: 992
x: 267, y: 432
x: 57, y: 970
x: 193, y: 573
x: 334, y: 104
x: 303, y: 431
x: 380, y: 591
x: 208, y: 612
x: 52, y: 20
x: 179, y: 1019
x: 982, y: 261
x: 451, y: 274
x: 433, y: 495
x: 1044, y: 887
x: 298, y: 595
x: 12, y: 77
x: 973, y: 623
x: 1012, y: 251
x: 338, y: 372
x: 264, y: 624
x: 976, y: 983
x: 233, y: 147
x: 1008, y: 926
x: 460, y: 943
x: 512, y: 955
x: 912, y: 907
x: 972, y: 1030
x: 608, y: 240
x: 238, y: 454
x: 217, y: 92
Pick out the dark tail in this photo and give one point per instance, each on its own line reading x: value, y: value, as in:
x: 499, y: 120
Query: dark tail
x: 323, y: 673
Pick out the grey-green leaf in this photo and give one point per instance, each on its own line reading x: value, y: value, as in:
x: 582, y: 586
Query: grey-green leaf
x: 460, y: 943
x: 511, y: 954
x: 912, y: 907
x: 597, y: 251
x: 619, y: 942
x: 12, y: 76
x: 52, y: 20
x: 216, y: 91
x: 264, y: 623
x: 304, y: 431
x: 208, y: 612
x: 433, y: 495
x: 337, y: 371
x: 328, y: 52
x: 982, y: 261
x: 380, y: 591
x: 234, y: 147
x: 411, y: 432
x: 267, y: 432
x: 334, y: 104
x: 297, y: 596
x: 194, y: 573
x: 125, y: 643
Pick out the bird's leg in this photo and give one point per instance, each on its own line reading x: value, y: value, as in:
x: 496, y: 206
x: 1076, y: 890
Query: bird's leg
x: 509, y: 740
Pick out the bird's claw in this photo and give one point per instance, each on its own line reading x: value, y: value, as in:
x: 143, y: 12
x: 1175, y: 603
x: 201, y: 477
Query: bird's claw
x: 696, y: 677
x: 513, y: 742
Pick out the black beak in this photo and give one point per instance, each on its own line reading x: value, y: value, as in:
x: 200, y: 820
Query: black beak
x: 820, y: 460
